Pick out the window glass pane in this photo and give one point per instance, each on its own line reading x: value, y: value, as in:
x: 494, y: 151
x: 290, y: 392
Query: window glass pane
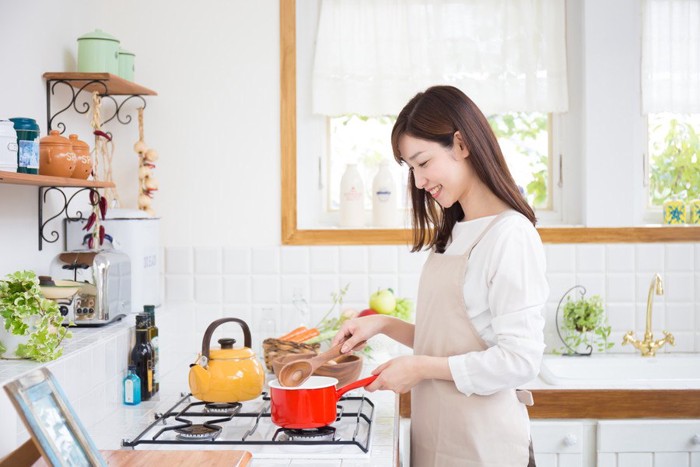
x: 523, y: 137
x: 673, y: 157
x: 524, y: 140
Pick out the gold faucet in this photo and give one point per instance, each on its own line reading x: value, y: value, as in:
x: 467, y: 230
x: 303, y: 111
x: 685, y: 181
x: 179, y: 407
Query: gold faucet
x: 648, y: 346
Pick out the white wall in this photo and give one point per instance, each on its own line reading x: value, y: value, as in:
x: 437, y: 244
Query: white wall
x: 215, y: 121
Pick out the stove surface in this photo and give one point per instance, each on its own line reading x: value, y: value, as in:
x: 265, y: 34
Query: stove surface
x: 191, y: 424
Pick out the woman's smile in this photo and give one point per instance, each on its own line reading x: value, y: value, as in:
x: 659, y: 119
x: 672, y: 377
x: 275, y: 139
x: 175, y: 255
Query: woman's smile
x: 435, y: 191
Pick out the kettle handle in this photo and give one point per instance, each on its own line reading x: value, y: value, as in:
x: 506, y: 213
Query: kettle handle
x: 206, y: 341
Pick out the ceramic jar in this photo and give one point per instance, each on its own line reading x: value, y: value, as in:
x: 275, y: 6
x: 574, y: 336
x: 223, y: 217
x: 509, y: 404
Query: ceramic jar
x: 126, y: 64
x: 83, y: 162
x: 56, y: 156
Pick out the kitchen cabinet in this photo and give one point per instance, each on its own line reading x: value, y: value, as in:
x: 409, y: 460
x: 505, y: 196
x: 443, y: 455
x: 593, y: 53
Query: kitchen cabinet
x: 559, y: 443
x: 648, y: 443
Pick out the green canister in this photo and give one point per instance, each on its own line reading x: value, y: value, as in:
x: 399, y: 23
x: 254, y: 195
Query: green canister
x: 27, y: 145
x: 98, y: 52
x: 126, y: 64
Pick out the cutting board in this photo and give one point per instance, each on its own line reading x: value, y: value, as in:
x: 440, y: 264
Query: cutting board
x: 132, y: 458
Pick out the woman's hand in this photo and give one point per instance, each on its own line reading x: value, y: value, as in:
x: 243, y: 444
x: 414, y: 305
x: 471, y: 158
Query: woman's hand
x: 399, y: 375
x: 357, y: 330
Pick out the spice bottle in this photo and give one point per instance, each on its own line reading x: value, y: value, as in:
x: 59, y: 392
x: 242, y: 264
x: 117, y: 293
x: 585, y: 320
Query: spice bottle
x: 352, y: 202
x: 132, y: 387
x: 150, y: 310
x: 384, y: 197
x: 142, y: 356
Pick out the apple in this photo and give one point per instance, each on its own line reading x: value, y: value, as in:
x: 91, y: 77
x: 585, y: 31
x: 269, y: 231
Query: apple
x: 367, y: 312
x: 382, y: 301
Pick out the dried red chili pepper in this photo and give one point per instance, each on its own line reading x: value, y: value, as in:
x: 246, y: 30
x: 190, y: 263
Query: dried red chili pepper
x: 103, y: 206
x: 94, y: 197
x: 102, y: 234
x: 91, y: 242
x: 90, y: 221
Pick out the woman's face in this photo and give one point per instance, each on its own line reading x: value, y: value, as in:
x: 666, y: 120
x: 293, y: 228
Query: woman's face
x: 442, y: 172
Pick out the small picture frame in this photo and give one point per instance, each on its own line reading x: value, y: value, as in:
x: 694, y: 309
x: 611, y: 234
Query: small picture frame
x: 53, y: 425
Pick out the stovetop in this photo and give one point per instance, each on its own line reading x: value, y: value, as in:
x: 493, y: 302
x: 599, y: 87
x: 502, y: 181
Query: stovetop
x: 192, y: 424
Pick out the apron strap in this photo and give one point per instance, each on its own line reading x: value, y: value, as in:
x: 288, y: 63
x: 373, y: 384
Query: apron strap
x: 488, y: 227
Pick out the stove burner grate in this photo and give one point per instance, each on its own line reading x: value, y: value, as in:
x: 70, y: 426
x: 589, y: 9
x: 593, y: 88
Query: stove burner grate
x: 324, y: 433
x: 222, y: 407
x: 203, y: 431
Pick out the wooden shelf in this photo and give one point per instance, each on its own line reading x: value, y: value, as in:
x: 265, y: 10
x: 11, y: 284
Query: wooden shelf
x: 13, y: 178
x: 116, y: 86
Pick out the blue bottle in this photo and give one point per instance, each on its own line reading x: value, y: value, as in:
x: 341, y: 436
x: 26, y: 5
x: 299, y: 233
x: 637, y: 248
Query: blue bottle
x: 132, y: 387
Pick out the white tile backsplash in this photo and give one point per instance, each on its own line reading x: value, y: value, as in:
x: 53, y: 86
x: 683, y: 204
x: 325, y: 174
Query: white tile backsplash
x: 237, y: 260
x: 265, y: 260
x: 679, y: 257
x: 353, y: 259
x: 207, y: 260
x: 205, y: 283
x: 294, y: 260
x: 620, y: 258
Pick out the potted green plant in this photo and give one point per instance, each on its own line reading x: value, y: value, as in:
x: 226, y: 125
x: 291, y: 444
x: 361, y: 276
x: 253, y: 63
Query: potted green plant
x: 585, y: 324
x: 30, y: 325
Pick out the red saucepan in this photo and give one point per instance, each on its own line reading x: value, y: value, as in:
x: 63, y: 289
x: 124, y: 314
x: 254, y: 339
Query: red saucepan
x: 311, y: 405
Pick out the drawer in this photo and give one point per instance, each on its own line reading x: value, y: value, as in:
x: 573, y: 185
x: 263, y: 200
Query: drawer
x: 557, y: 437
x: 649, y: 436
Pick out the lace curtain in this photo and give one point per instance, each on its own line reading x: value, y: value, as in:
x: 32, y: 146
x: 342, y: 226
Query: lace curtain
x: 671, y: 56
x: 372, y: 56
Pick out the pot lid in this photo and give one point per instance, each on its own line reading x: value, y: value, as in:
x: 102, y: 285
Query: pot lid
x: 125, y: 52
x: 98, y: 34
x: 22, y: 123
x: 54, y: 138
x: 76, y: 142
x: 227, y: 352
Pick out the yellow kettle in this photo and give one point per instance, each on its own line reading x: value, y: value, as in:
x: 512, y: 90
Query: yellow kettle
x: 227, y: 374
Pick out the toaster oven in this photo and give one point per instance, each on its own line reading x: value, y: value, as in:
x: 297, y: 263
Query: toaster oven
x: 106, y: 292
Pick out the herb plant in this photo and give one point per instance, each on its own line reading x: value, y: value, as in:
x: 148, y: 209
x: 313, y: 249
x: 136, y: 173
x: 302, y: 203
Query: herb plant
x: 26, y: 312
x: 586, y: 323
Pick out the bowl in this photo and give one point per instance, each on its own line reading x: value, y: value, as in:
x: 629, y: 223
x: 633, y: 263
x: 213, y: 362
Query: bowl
x: 61, y: 289
x: 345, y: 369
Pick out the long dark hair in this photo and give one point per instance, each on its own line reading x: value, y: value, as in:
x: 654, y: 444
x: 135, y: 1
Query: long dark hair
x: 435, y: 115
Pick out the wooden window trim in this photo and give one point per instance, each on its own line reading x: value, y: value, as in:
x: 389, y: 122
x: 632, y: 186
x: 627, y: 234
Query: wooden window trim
x: 292, y: 235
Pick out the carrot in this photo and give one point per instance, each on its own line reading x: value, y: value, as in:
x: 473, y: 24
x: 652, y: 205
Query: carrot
x: 306, y: 335
x: 293, y: 333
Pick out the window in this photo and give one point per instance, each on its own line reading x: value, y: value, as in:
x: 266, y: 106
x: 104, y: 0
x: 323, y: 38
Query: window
x: 366, y: 141
x: 674, y: 145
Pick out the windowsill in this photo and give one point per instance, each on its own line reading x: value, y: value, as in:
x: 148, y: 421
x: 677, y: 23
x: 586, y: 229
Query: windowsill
x: 551, y: 234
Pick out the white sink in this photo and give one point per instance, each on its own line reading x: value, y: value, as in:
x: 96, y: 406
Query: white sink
x: 620, y: 369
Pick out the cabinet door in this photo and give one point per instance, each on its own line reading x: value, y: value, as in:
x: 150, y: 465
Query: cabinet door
x: 558, y: 444
x: 648, y: 443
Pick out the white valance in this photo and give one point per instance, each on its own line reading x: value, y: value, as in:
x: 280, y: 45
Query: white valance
x: 671, y: 56
x: 372, y: 56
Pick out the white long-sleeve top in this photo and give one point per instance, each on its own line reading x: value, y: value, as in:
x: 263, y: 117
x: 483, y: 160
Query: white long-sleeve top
x: 505, y: 290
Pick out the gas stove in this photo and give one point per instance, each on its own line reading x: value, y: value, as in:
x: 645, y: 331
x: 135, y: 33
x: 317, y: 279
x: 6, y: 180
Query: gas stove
x: 191, y: 424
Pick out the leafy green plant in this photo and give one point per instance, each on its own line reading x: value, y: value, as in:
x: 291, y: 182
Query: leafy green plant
x: 26, y: 312
x: 585, y: 323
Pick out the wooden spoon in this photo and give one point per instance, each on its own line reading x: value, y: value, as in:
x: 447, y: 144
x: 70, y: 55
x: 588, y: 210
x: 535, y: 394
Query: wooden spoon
x: 295, y: 373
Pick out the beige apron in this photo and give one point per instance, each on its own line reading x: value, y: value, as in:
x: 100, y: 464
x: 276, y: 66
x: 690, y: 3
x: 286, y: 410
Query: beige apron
x: 449, y: 428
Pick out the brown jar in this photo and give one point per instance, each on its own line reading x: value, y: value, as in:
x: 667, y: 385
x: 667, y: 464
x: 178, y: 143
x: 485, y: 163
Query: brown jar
x: 56, y: 156
x: 83, y: 161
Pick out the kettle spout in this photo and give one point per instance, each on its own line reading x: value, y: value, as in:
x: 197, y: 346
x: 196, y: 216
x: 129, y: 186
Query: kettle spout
x: 200, y: 380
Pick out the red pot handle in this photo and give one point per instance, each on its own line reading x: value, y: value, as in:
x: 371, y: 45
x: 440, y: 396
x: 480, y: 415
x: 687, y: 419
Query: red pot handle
x: 360, y: 383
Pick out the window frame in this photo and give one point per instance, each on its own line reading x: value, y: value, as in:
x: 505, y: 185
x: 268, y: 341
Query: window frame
x: 292, y: 235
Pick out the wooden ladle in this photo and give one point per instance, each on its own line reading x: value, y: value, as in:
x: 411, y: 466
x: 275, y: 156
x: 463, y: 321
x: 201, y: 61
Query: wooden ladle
x: 295, y: 373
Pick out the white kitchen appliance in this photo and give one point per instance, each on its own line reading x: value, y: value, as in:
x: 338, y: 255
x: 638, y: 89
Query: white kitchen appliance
x: 139, y: 237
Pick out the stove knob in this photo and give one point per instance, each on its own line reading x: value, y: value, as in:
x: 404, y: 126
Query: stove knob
x: 64, y: 310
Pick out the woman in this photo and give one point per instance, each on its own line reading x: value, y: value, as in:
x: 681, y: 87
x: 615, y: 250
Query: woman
x: 479, y: 326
